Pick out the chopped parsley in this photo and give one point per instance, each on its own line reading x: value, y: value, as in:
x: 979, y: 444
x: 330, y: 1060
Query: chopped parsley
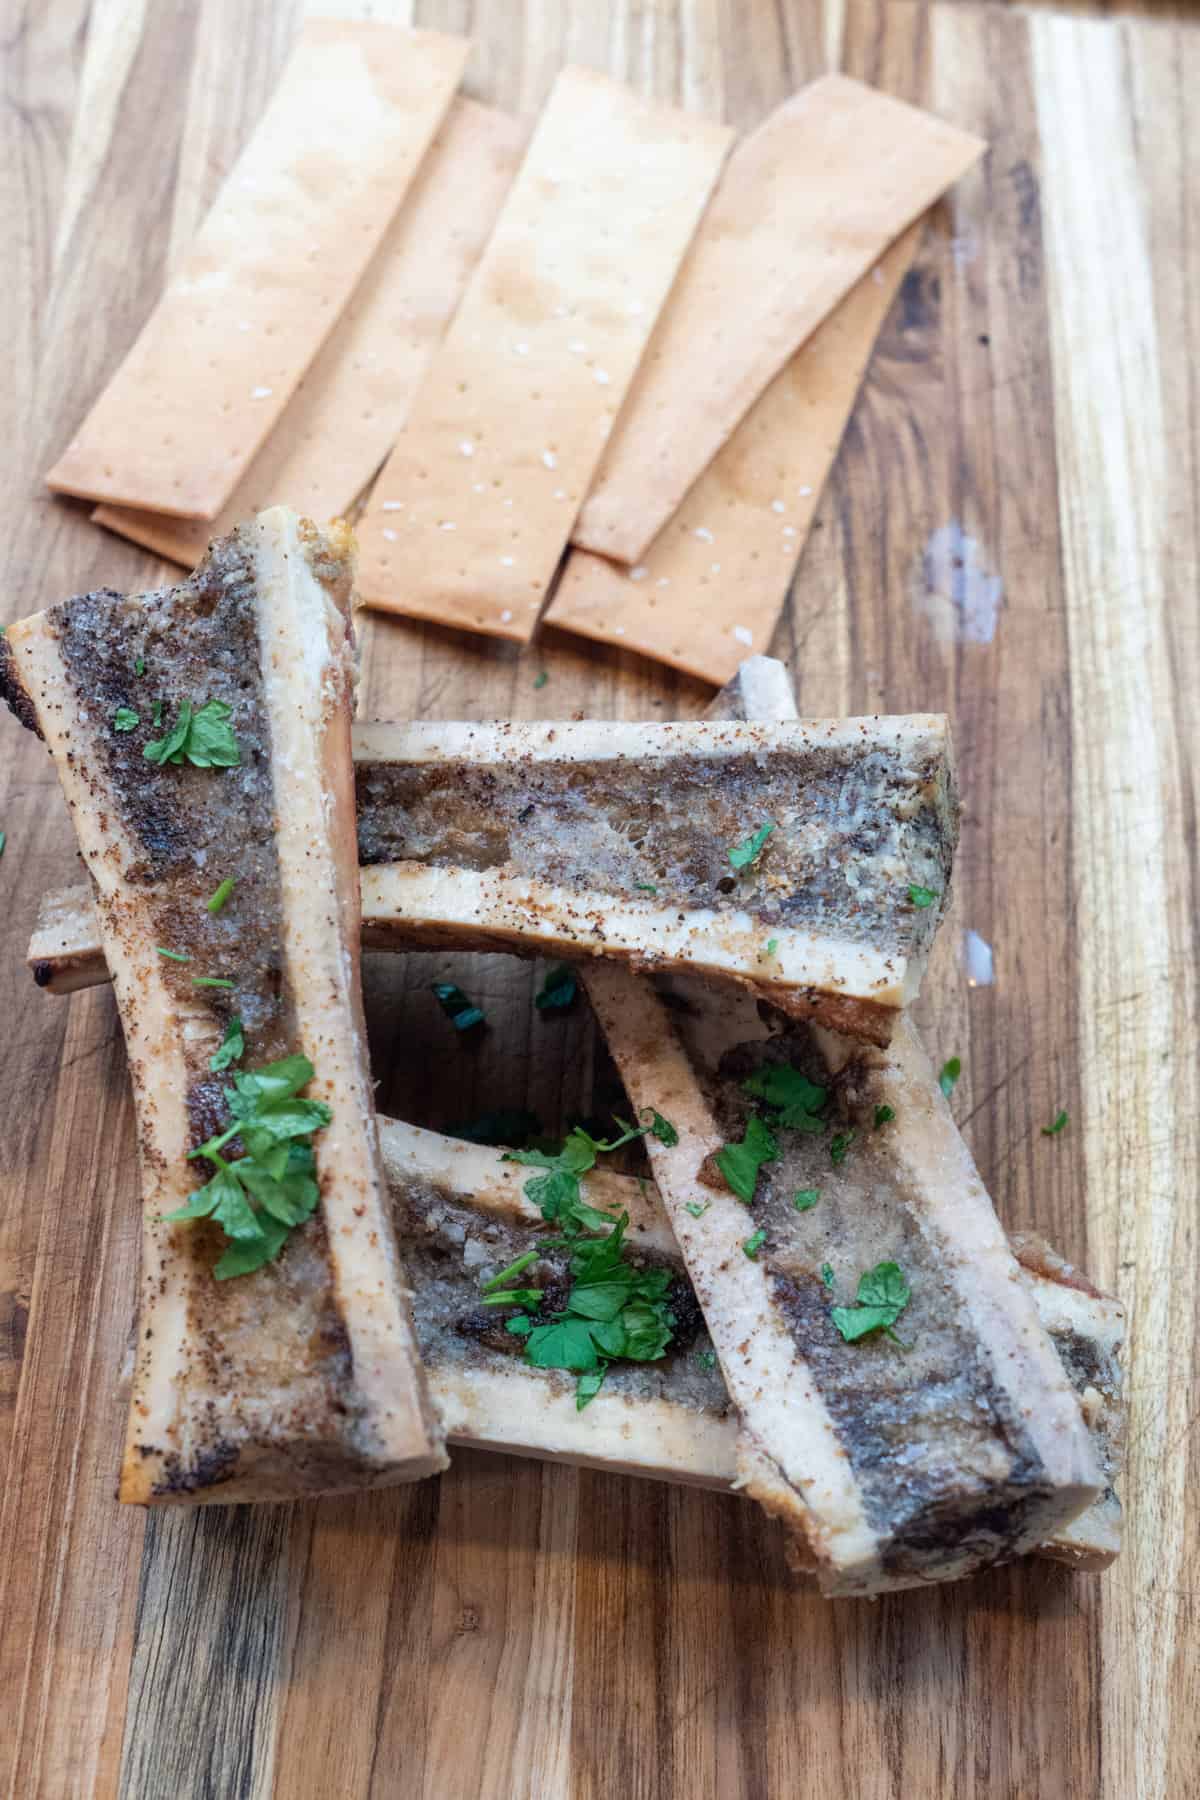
x: 3, y: 841
x: 156, y: 713
x: 707, y: 1359
x: 754, y: 1243
x: 804, y: 1199
x: 827, y: 1274
x: 558, y: 989
x: 258, y: 1197
x: 883, y: 1294
x: 200, y: 735
x: 219, y: 981
x: 951, y: 1071
x: 461, y: 1012
x: 139, y: 666
x: 884, y: 1115
x: 839, y: 1147
x: 697, y: 1208
x: 232, y: 1047
x: 772, y: 946
x: 745, y: 855
x: 613, y: 1310
x: 217, y: 899
x: 740, y: 1163
x: 661, y: 1128
x: 645, y: 887
x: 921, y: 897
x: 1060, y: 1124
x: 174, y: 955
x: 794, y: 1099
x: 125, y: 719
x: 540, y: 679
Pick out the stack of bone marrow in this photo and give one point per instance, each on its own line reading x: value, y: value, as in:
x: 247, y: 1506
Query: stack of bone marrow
x: 202, y: 736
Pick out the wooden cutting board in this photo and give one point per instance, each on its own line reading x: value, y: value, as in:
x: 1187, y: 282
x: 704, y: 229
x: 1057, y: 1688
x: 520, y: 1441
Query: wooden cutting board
x: 1011, y: 533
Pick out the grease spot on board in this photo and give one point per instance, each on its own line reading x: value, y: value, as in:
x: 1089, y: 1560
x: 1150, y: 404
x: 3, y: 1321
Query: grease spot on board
x: 956, y: 589
x: 978, y: 960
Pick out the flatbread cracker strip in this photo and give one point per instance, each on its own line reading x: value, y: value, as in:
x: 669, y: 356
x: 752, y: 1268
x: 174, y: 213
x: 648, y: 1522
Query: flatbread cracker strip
x: 714, y: 581
x: 289, y: 235
x: 807, y: 205
x: 473, y: 509
x: 343, y: 418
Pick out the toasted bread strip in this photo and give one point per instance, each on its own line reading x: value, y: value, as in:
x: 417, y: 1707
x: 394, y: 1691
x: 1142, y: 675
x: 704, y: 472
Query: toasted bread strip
x: 462, y: 1215
x: 343, y: 419
x: 806, y: 205
x: 291, y: 231
x: 614, y: 840
x: 263, y: 626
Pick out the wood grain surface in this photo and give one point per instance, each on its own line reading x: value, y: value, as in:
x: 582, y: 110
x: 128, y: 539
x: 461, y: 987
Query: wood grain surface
x: 1011, y: 532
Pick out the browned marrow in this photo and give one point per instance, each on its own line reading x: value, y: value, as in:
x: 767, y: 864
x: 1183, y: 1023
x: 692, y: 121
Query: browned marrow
x: 303, y: 1376
x: 614, y: 840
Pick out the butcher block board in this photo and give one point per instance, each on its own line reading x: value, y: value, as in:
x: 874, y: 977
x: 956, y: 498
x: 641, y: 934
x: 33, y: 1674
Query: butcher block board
x: 1010, y: 533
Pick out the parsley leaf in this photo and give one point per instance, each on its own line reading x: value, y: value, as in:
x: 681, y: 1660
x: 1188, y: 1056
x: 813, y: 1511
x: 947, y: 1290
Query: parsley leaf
x: 839, y: 1147
x: 707, y: 1359
x: 258, y: 1197
x: 1060, y: 1124
x: 139, y: 666
x: 662, y: 1129
x: 796, y: 1100
x: 745, y: 855
x: 156, y: 713
x: 645, y: 887
x: 740, y: 1163
x: 951, y: 1071
x: 461, y: 1012
x: 232, y: 1047
x: 125, y: 719
x: 540, y: 679
x: 884, y: 1115
x: 883, y: 1294
x: 697, y: 1208
x: 220, y: 981
x: 3, y: 841
x: 754, y: 1243
x: 201, y: 736
x: 921, y: 897
x: 772, y: 946
x: 804, y: 1199
x: 558, y: 989
x: 173, y: 955
x: 220, y: 895
x: 827, y: 1274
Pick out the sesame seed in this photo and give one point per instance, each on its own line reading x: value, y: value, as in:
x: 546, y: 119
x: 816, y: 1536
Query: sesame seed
x: 663, y: 581
x: 789, y: 531
x: 466, y: 448
x: 640, y: 573
x: 261, y: 393
x: 549, y: 458
x: 603, y: 377
x: 243, y: 324
x: 478, y: 487
x: 619, y: 630
x: 505, y: 616
x: 390, y: 535
x: 715, y: 568
x: 447, y: 525
x: 560, y: 493
x: 742, y: 635
x: 704, y: 534
x: 778, y: 506
x: 393, y: 506
x: 576, y: 347
x: 508, y: 561
x: 522, y: 349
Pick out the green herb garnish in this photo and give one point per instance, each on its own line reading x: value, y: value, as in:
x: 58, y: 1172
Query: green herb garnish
x: 707, y: 1359
x: 1060, y: 1124
x: 951, y: 1071
x: 558, y: 989
x: 3, y: 841
x: 156, y: 713
x: 827, y: 1274
x: 217, y: 899
x: 125, y: 719
x: 804, y: 1199
x: 540, y: 679
x: 883, y: 1294
x: 921, y: 897
x: 697, y: 1208
x: 201, y: 736
x: 884, y: 1115
x: 795, y: 1100
x: 772, y: 946
x: 461, y: 1012
x: 754, y: 1243
x: 740, y: 1163
x: 174, y: 955
x: 645, y: 887
x: 661, y: 1128
x: 139, y: 666
x: 259, y: 1196
x: 746, y: 854
x: 839, y: 1147
x: 218, y: 981
x: 232, y: 1047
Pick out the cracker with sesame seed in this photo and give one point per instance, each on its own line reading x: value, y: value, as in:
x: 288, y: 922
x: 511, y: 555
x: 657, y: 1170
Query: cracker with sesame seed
x: 343, y: 419
x: 807, y: 204
x: 511, y: 420
x: 291, y: 232
x: 711, y: 587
